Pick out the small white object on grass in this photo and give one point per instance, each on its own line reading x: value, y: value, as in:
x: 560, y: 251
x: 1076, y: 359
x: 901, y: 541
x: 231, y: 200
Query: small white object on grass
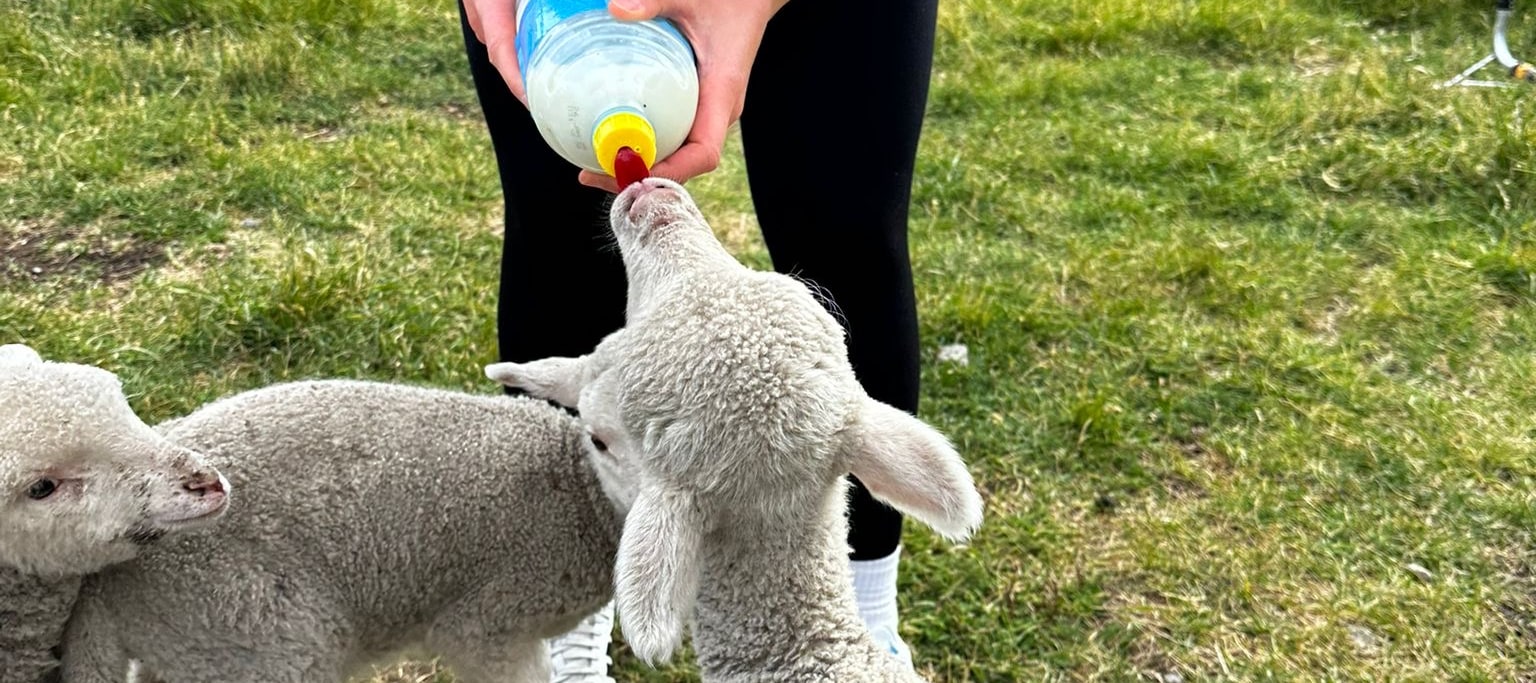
x: 955, y: 353
x: 1420, y: 572
x: 1366, y: 641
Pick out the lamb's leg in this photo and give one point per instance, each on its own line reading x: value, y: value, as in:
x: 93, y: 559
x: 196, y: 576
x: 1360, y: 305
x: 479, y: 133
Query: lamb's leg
x: 33, y: 613
x: 95, y: 651
x: 92, y: 653
x: 96, y: 669
x: 485, y: 637
x: 492, y: 660
x: 113, y: 668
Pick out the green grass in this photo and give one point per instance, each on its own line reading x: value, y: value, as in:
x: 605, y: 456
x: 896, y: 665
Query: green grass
x: 1250, y: 304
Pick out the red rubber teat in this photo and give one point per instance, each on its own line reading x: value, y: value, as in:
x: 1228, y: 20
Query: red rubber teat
x: 629, y: 167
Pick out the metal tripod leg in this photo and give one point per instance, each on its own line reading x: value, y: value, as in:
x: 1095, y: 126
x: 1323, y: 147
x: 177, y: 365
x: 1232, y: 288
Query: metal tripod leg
x: 1518, y: 70
x: 1463, y: 78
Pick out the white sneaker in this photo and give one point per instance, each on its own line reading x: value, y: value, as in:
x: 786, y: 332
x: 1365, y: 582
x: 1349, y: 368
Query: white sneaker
x: 888, y: 640
x: 581, y: 656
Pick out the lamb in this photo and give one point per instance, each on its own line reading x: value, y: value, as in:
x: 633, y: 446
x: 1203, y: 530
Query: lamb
x: 729, y: 399
x: 84, y: 484
x: 372, y: 520
x: 375, y: 519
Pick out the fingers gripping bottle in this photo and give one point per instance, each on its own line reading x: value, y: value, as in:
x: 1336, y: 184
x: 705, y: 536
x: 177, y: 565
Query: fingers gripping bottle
x: 597, y: 85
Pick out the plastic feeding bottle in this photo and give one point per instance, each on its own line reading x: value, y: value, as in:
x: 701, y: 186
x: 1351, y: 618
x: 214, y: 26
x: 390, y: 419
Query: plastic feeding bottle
x: 597, y: 85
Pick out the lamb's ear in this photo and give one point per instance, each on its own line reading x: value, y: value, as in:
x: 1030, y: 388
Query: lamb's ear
x: 656, y: 578
x: 18, y: 354
x: 912, y: 467
x: 556, y: 378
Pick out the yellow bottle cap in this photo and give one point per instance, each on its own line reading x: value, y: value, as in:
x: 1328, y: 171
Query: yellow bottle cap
x: 623, y: 129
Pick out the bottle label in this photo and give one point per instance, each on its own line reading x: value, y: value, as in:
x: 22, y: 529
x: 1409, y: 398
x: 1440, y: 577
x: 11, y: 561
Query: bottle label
x: 535, y: 18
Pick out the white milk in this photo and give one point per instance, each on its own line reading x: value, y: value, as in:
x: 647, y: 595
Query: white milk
x: 591, y: 64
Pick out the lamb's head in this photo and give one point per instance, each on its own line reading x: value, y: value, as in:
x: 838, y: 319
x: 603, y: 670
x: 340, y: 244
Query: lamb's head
x: 730, y: 401
x: 84, y: 483
x: 662, y: 236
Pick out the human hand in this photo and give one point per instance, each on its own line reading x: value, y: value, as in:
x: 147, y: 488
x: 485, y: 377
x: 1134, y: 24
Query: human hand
x: 725, y: 37
x: 495, y: 24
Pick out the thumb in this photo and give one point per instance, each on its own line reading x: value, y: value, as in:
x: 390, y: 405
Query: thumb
x: 635, y: 10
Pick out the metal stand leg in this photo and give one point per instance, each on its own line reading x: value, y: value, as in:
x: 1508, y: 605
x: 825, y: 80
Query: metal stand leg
x: 1519, y: 70
x: 1463, y: 79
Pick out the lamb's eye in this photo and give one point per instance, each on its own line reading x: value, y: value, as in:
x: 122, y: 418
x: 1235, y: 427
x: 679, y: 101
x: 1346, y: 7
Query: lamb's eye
x: 42, y: 488
x: 598, y: 443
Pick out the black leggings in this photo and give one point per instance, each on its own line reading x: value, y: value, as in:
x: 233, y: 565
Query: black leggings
x: 829, y: 132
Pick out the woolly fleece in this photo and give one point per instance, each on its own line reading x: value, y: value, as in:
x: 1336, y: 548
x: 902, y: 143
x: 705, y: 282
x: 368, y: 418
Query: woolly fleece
x: 730, y: 397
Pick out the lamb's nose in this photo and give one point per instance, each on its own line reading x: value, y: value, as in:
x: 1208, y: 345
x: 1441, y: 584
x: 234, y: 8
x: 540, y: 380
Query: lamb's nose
x: 203, y: 484
x: 652, y: 189
x: 654, y: 183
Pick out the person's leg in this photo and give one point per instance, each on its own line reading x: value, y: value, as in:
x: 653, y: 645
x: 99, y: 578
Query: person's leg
x: 556, y: 235
x: 556, y: 241
x: 830, y: 130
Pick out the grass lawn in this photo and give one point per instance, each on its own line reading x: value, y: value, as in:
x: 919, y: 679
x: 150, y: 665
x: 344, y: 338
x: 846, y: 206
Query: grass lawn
x: 1249, y: 303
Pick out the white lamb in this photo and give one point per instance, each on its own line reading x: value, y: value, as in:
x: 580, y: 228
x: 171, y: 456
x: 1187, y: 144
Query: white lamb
x: 83, y: 484
x: 730, y: 396
x: 372, y: 520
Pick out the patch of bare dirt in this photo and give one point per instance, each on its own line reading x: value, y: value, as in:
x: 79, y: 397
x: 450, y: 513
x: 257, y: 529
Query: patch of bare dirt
x: 37, y: 250
x: 1193, y: 446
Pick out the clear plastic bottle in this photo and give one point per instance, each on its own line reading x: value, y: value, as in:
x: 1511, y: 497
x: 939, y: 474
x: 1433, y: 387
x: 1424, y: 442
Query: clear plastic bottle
x: 597, y: 84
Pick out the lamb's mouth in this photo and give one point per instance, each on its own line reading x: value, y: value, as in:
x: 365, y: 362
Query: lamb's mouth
x: 197, y: 518
x: 624, y: 202
x: 657, y: 207
x: 144, y: 535
x: 650, y: 204
x: 156, y: 528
